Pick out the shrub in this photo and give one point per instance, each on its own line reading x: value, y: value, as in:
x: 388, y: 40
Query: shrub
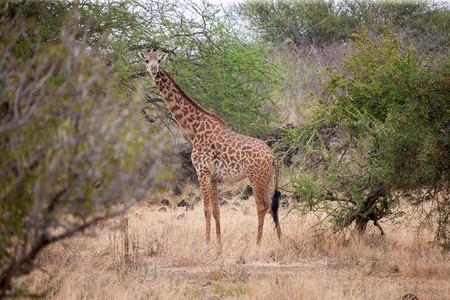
x: 388, y: 114
x: 72, y: 148
x: 218, y: 66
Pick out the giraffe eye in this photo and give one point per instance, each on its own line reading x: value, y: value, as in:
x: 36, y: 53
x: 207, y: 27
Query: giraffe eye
x: 146, y: 61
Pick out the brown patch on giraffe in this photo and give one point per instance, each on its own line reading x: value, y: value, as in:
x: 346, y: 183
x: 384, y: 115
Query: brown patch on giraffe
x: 175, y: 108
x: 201, y: 127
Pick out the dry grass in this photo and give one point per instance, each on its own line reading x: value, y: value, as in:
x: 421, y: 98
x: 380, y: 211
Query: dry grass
x: 149, y: 254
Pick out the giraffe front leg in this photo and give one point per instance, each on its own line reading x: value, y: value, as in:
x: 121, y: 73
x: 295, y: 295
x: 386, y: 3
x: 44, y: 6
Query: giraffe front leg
x: 216, y: 209
x: 208, y: 220
x: 205, y: 183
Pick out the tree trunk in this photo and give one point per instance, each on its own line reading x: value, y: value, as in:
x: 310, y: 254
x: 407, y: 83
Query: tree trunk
x: 365, y: 212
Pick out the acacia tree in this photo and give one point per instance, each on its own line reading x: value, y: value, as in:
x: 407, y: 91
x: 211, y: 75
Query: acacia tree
x: 72, y: 147
x: 381, y: 131
x: 424, y: 23
x: 219, y: 67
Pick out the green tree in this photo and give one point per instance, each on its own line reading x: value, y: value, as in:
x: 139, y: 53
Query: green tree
x: 381, y: 131
x: 72, y: 148
x: 215, y: 64
x: 312, y: 22
x: 107, y: 23
x: 424, y: 23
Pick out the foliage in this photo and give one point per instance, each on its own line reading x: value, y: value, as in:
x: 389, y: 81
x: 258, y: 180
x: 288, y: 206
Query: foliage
x: 45, y: 18
x: 218, y: 68
x: 326, y: 21
x: 72, y: 148
x: 388, y: 114
x: 108, y: 23
x: 314, y: 22
x: 405, y: 99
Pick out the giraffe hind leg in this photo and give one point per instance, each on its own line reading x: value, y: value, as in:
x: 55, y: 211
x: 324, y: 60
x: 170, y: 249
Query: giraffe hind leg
x: 262, y: 204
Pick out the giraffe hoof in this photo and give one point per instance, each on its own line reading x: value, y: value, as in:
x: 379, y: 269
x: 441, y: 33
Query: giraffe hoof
x: 219, y: 249
x: 206, y: 247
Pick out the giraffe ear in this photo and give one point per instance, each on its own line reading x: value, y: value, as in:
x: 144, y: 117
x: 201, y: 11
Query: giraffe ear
x: 162, y: 57
x: 143, y: 55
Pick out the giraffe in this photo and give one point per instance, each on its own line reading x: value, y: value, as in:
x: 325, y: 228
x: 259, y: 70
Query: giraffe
x: 219, y: 154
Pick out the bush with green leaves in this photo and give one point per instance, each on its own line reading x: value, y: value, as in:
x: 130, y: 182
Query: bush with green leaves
x: 218, y: 66
x: 214, y: 61
x: 403, y: 97
x: 297, y: 22
x: 381, y: 131
x: 72, y: 148
x: 326, y: 21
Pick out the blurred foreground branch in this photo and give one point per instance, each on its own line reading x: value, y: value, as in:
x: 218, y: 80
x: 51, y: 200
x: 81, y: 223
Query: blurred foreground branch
x: 72, y: 147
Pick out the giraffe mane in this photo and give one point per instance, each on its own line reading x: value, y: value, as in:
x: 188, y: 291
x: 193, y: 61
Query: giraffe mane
x: 192, y: 102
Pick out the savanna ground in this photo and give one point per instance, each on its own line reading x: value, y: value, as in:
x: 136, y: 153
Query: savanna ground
x: 167, y: 258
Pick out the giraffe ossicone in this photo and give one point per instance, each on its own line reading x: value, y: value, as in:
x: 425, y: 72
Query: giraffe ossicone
x: 219, y: 154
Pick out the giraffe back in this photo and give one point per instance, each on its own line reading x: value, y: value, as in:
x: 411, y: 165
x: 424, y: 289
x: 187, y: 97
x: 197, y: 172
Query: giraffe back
x: 229, y: 156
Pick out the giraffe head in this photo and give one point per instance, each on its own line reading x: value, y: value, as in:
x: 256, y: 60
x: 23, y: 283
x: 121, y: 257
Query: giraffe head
x: 152, y: 61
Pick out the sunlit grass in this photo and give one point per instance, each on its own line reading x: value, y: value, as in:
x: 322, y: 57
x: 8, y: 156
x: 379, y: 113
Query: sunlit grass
x: 148, y: 254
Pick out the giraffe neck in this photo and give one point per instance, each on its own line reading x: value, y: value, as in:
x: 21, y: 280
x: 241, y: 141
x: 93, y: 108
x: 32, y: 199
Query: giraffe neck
x: 188, y: 114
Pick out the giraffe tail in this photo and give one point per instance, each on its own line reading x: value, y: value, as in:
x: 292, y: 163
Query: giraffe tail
x: 274, y: 206
x: 276, y: 196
